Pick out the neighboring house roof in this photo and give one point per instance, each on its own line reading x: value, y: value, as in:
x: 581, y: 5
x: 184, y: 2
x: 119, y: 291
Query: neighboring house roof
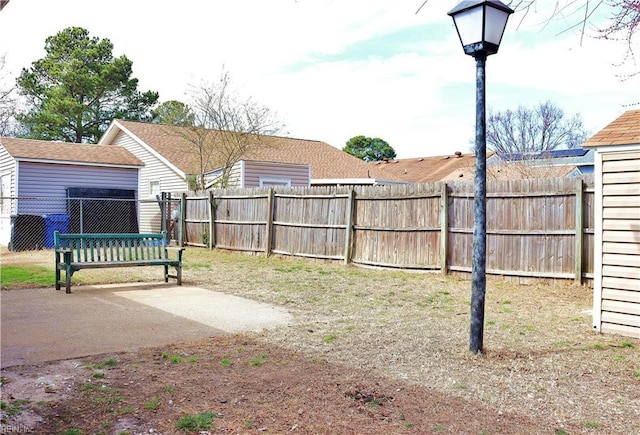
x: 514, y: 171
x: 425, y: 169
x: 70, y: 153
x: 354, y: 182
x: 625, y: 130
x: 580, y: 157
x: 325, y: 160
x: 545, y: 155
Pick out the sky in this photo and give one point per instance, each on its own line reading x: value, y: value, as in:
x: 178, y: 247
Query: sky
x: 334, y: 69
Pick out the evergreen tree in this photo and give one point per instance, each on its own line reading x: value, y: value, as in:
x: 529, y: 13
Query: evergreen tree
x: 369, y: 149
x: 78, y: 88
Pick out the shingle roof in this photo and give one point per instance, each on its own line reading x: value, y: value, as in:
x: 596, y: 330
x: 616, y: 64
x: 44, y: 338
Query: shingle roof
x: 325, y: 160
x: 44, y: 150
x: 625, y: 130
x: 511, y: 172
x: 425, y: 169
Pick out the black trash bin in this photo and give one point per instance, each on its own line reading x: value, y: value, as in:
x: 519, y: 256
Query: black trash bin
x: 27, y: 232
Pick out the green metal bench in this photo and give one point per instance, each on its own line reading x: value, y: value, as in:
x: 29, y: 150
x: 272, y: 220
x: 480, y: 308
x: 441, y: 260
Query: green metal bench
x: 94, y: 251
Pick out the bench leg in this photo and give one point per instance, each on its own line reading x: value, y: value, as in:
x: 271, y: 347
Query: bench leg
x: 57, y: 277
x: 179, y: 274
x: 166, y: 273
x: 68, y: 280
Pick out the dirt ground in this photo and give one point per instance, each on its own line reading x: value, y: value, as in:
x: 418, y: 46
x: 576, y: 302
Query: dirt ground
x: 370, y: 352
x: 250, y: 386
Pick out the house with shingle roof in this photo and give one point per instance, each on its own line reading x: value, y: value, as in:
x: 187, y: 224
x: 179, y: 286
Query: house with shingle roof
x: 427, y: 169
x: 616, y: 280
x: 555, y: 162
x: 461, y: 167
x: 50, y: 171
x: 170, y: 158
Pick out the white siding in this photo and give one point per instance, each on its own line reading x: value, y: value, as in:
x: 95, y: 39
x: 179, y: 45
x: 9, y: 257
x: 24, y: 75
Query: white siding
x: 154, y: 170
x: 7, y: 206
x: 8, y: 167
x: 236, y: 177
x: 617, y: 288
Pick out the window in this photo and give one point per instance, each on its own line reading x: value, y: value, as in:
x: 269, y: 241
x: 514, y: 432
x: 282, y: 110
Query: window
x: 154, y: 188
x: 274, y: 182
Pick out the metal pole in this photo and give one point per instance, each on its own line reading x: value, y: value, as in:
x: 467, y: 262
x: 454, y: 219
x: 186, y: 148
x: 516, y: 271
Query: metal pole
x: 478, y: 269
x: 81, y: 216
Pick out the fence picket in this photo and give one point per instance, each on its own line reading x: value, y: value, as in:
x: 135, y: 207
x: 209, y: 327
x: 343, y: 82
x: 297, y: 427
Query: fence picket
x: 533, y: 226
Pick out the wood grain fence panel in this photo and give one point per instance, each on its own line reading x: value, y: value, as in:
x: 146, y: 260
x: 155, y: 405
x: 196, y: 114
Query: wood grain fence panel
x: 398, y: 226
x: 310, y: 223
x: 196, y: 225
x: 532, y: 227
x: 241, y: 219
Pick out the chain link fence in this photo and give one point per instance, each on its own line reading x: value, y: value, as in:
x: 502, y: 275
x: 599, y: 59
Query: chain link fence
x: 29, y: 223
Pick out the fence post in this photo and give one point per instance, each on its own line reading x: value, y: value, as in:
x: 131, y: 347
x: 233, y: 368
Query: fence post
x: 444, y: 227
x: 348, y: 235
x: 81, y: 216
x: 269, y: 227
x: 163, y: 212
x: 212, y: 220
x: 183, y: 217
x: 579, y: 251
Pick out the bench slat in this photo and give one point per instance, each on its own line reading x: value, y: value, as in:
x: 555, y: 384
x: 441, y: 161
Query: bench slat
x: 131, y: 263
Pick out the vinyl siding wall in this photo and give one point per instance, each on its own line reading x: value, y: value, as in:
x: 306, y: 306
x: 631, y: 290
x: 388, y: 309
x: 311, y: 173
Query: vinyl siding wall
x: 48, y: 180
x: 247, y: 173
x: 617, y: 289
x: 254, y: 171
x: 42, y: 186
x: 155, y: 169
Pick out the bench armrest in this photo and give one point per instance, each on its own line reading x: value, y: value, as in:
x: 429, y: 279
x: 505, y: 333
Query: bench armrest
x: 64, y: 251
x: 63, y: 255
x: 177, y: 249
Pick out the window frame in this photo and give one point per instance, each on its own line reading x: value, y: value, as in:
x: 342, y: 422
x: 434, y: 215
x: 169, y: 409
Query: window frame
x: 275, y: 182
x: 152, y: 193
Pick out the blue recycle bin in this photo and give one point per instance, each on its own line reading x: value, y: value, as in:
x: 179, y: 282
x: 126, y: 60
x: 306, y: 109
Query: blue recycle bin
x: 54, y: 222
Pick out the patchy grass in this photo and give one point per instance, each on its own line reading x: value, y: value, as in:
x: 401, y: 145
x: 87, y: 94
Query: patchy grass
x: 27, y: 276
x: 198, y: 422
x: 13, y: 407
x: 111, y: 362
x: 152, y: 404
x: 330, y: 338
x: 173, y: 358
x: 257, y: 362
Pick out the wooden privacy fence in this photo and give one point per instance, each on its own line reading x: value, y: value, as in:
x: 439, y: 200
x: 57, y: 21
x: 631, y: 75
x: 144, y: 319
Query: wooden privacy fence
x: 540, y: 228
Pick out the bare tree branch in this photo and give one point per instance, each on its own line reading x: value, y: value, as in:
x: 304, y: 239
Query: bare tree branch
x: 227, y: 127
x: 8, y: 101
x: 533, y: 130
x: 622, y: 24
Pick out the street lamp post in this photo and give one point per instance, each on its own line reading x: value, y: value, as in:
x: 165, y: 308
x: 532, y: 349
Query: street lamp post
x: 480, y: 25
